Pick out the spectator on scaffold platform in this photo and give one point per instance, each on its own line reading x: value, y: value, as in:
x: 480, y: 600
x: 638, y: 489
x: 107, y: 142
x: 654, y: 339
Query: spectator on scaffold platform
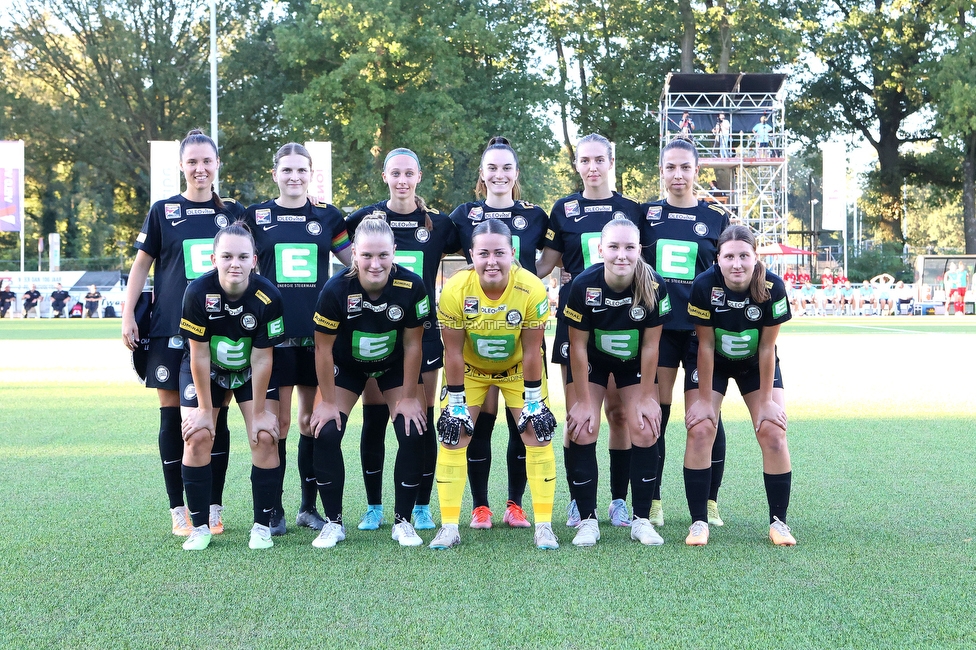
x: 723, y: 135
x: 762, y: 133
x: 686, y: 126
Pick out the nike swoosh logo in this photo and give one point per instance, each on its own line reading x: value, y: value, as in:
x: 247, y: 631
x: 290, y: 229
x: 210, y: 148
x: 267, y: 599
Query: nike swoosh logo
x: 351, y: 316
x: 374, y: 471
x: 655, y: 224
x: 584, y: 482
x: 431, y: 362
x: 215, y: 316
x: 176, y: 223
x: 577, y: 219
x: 549, y: 480
x: 596, y: 311
x: 267, y: 510
x: 440, y: 481
x: 722, y: 311
x: 646, y: 480
x: 195, y: 513
x: 410, y: 485
x: 170, y: 462
x: 266, y: 228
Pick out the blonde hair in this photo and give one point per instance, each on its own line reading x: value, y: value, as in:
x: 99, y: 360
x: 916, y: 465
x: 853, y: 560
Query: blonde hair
x: 369, y: 227
x: 643, y: 284
x: 757, y: 286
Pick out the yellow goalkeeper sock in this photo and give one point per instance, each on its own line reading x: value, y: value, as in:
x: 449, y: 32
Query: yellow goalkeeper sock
x: 451, y: 476
x: 540, y: 469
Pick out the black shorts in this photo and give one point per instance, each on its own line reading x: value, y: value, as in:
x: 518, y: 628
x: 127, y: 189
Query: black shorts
x: 294, y: 366
x: 625, y: 373
x: 354, y: 378
x: 433, y: 350
x: 164, y: 360
x: 678, y: 348
x: 221, y: 381
x: 746, y: 377
x: 560, y: 345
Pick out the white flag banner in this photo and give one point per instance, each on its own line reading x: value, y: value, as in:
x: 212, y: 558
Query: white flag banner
x: 834, y: 186
x: 320, y: 185
x: 11, y: 185
x: 164, y: 164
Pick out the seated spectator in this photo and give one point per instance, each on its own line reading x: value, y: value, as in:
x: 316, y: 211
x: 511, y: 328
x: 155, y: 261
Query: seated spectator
x: 32, y: 301
x: 59, y: 299
x: 802, y: 277
x: 93, y: 300
x: 829, y: 296
x: 866, y: 300
x: 7, y: 298
x: 807, y: 297
x: 904, y: 296
x: 839, y: 277
x: 826, y: 277
x: 789, y: 277
x: 847, y: 297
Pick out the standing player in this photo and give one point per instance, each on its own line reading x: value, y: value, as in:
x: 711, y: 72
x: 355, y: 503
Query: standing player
x: 494, y: 317
x: 737, y: 307
x: 498, y: 183
x: 422, y: 236
x: 615, y: 313
x: 369, y: 323
x: 680, y: 235
x: 573, y: 242
x: 294, y: 239
x: 177, y: 241
x: 231, y: 319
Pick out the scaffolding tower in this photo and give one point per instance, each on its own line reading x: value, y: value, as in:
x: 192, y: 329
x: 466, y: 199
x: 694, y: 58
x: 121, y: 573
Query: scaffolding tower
x: 749, y: 163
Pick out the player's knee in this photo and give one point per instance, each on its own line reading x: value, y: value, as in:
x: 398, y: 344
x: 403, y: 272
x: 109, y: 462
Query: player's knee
x: 771, y: 437
x: 702, y: 436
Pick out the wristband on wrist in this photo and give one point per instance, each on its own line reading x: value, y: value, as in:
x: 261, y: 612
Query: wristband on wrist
x: 533, y: 391
x: 455, y: 395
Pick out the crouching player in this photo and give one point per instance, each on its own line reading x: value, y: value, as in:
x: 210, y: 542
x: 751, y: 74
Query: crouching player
x: 369, y: 323
x: 232, y: 318
x: 494, y: 319
x: 616, y: 311
x: 737, y: 307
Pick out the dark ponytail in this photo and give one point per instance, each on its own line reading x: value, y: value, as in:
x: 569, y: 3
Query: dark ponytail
x: 197, y: 136
x: 757, y: 286
x: 498, y: 143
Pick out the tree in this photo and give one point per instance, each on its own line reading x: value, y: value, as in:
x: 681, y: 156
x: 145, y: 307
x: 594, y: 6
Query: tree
x: 873, y: 53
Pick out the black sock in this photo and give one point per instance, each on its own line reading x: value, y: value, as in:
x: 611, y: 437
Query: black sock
x: 406, y: 470
x: 778, y: 494
x: 171, y: 453
x: 515, y: 457
x: 372, y: 450
x: 280, y: 490
x: 479, y: 458
x: 656, y: 488
x: 306, y: 473
x: 264, y: 484
x: 619, y: 473
x: 643, y: 467
x: 429, y: 444
x: 196, y: 481
x: 219, y: 457
x: 568, y: 458
x: 718, y: 461
x: 584, y: 479
x: 330, y: 469
x: 696, y: 490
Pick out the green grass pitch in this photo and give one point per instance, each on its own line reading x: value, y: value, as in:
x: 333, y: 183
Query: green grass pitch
x: 881, y: 435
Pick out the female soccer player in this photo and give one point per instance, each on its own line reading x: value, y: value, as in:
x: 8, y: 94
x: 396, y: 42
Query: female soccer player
x: 737, y: 307
x: 422, y: 236
x: 494, y: 318
x: 231, y: 319
x: 680, y: 236
x: 369, y: 323
x: 294, y: 238
x: 498, y: 183
x: 615, y: 313
x: 572, y: 242
x: 177, y: 241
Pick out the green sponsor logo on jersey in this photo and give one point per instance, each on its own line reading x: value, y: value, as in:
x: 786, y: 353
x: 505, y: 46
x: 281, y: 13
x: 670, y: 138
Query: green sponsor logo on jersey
x: 676, y: 259
x: 736, y: 345
x: 590, y: 243
x: 423, y: 307
x: 542, y: 308
x: 369, y: 346
x: 410, y: 260
x: 516, y: 245
x: 664, y: 307
x: 779, y: 307
x: 196, y: 257
x: 296, y: 263
x: 231, y: 354
x: 622, y: 344
x: 493, y: 348
x: 276, y: 327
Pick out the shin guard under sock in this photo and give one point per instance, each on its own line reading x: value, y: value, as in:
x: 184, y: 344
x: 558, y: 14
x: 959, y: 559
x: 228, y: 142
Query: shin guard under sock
x: 171, y: 453
x: 372, y: 450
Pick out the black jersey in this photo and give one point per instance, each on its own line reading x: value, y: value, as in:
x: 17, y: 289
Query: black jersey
x: 31, y: 298
x: 60, y: 296
x: 738, y: 322
x: 7, y: 297
x: 293, y: 252
x: 681, y: 243
x: 615, y: 323
x: 233, y: 328
x: 369, y: 333
x: 178, y: 234
x: 417, y: 249
x: 527, y: 222
x: 575, y: 224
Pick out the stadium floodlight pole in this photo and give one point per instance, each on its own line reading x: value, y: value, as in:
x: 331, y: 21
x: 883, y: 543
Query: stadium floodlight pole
x: 813, y: 236
x: 213, y: 83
